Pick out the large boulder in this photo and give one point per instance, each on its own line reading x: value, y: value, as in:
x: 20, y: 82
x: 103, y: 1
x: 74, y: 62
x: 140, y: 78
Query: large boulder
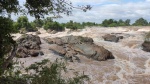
x: 102, y: 54
x: 54, y: 41
x: 28, y: 45
x: 85, y: 49
x: 59, y: 49
x: 146, y: 46
x: 93, y: 51
x: 76, y: 39
x: 111, y: 38
x: 70, y: 46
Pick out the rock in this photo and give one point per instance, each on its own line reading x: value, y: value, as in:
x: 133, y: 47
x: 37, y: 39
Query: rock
x: 34, y: 53
x: 21, y: 52
x: 58, y: 49
x: 93, y: 51
x: 49, y: 40
x: 146, y: 46
x: 41, y: 53
x: 54, y: 41
x: 76, y: 39
x: 85, y: 49
x: 120, y: 37
x: 28, y: 45
x: 70, y: 53
x: 69, y: 46
x: 26, y: 38
x: 101, y: 53
x: 111, y: 38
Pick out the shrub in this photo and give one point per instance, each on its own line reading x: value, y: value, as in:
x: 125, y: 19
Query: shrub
x: 53, y: 26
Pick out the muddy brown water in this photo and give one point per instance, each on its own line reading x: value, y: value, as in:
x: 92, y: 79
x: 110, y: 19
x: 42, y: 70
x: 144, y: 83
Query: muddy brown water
x: 130, y: 66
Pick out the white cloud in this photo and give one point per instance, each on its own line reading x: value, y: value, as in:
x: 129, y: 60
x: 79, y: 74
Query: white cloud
x: 106, y: 9
x: 114, y: 10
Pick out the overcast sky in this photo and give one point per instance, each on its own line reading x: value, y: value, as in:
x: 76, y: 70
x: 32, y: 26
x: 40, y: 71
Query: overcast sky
x: 106, y: 9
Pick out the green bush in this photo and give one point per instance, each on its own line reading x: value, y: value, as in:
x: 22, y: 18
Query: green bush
x: 6, y: 41
x: 53, y: 26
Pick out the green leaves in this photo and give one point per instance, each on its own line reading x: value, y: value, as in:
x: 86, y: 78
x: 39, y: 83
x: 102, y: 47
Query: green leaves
x: 115, y: 23
x: 9, y: 6
x: 49, y: 24
x: 6, y: 41
x: 140, y: 22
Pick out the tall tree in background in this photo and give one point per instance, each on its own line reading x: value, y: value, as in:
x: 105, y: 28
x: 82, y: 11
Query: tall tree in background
x: 140, y: 22
x: 127, y: 22
x: 37, y: 9
x: 38, y: 22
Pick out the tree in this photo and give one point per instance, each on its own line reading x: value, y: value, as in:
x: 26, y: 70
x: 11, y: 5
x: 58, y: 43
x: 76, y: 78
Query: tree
x: 53, y: 26
x: 36, y: 8
x: 71, y: 25
x: 109, y: 23
x: 38, y: 22
x: 140, y: 22
x: 127, y: 22
x: 121, y: 23
x: 23, y: 22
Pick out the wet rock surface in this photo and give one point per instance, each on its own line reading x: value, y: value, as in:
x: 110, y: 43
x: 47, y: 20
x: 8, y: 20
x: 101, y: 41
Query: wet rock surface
x: 146, y: 46
x: 28, y: 45
x: 70, y: 46
x: 130, y: 66
x: 112, y: 38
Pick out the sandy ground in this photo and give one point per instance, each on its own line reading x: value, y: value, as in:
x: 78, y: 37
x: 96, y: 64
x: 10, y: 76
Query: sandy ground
x: 130, y: 66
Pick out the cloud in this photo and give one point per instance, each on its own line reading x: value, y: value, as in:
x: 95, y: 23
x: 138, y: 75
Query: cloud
x: 108, y: 9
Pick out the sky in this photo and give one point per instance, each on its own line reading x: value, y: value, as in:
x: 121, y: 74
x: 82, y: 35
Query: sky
x: 106, y: 9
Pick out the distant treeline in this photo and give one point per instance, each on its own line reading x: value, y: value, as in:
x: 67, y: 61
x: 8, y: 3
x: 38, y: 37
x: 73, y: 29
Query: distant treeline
x: 48, y: 23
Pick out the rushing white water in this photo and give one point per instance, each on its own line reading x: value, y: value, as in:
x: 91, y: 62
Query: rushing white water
x: 130, y: 66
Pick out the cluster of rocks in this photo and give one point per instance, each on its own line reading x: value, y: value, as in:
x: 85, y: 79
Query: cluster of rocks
x: 146, y: 43
x: 112, y: 38
x: 71, y: 46
x: 28, y: 45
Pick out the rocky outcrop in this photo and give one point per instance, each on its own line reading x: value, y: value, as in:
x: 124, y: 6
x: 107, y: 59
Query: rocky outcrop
x: 28, y: 45
x: 112, y: 38
x: 70, y: 46
x: 146, y: 46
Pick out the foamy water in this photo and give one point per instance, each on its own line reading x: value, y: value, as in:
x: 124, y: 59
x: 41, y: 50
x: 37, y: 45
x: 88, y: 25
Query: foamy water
x: 130, y: 66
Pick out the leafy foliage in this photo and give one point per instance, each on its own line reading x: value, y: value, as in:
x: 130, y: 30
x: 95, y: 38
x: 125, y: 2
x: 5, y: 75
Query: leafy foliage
x: 8, y: 6
x: 53, y: 26
x: 114, y: 23
x: 73, y: 25
x: 38, y: 22
x: 6, y: 41
x: 140, y: 22
x: 22, y: 22
x: 38, y: 8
